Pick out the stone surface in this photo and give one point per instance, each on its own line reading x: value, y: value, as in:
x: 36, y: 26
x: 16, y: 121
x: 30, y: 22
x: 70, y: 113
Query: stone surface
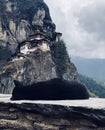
x: 52, y: 115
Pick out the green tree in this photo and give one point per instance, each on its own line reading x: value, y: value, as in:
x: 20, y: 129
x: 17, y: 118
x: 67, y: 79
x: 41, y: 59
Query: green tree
x: 95, y: 87
x: 60, y: 55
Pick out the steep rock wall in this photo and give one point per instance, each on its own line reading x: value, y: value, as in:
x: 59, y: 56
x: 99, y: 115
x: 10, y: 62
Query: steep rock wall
x: 37, y: 66
x: 18, y: 20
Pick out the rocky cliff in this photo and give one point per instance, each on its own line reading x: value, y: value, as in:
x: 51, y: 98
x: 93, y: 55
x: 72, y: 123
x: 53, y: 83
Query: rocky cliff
x: 36, y: 67
x: 18, y: 20
x: 52, y: 115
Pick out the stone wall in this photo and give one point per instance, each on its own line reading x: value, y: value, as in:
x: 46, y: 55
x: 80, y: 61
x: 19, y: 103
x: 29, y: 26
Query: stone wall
x: 49, y: 115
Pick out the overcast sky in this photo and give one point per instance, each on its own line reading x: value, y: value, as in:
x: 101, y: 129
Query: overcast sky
x: 82, y: 23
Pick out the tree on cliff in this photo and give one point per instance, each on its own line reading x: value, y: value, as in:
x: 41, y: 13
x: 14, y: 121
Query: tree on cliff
x: 60, y: 55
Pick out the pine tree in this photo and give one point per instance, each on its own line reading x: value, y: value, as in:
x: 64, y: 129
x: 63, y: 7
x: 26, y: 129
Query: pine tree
x: 60, y: 55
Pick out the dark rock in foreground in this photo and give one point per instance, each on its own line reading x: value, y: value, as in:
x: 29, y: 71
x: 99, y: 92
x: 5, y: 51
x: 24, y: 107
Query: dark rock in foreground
x: 52, y: 115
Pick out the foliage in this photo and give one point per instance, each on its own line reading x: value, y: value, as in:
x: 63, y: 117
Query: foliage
x: 95, y: 87
x: 60, y: 55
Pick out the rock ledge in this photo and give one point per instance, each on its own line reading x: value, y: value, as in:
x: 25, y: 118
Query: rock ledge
x: 52, y: 115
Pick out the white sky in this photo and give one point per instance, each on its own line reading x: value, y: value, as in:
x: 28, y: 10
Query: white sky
x: 82, y: 23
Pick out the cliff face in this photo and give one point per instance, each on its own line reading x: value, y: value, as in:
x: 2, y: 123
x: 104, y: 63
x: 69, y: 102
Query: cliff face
x: 35, y: 67
x: 18, y: 20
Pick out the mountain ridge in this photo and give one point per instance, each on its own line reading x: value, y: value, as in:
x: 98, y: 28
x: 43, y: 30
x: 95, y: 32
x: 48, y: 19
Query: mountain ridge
x: 93, y: 68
